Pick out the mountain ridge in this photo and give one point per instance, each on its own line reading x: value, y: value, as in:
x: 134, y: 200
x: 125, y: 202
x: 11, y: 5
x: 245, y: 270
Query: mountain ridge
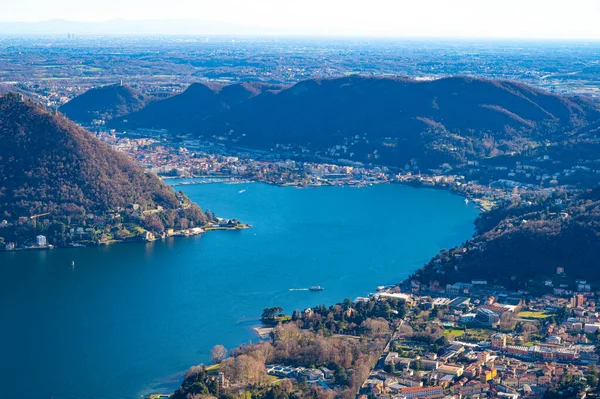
x: 387, y: 120
x: 188, y: 108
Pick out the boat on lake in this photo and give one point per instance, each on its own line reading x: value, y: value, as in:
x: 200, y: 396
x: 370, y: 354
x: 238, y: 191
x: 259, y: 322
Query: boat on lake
x: 316, y: 288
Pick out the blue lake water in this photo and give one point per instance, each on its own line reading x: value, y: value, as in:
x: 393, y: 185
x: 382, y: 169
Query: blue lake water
x: 130, y: 318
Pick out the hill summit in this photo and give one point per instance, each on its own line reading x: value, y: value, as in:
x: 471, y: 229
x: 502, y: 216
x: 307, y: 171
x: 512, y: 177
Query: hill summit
x: 189, y: 110
x: 104, y: 103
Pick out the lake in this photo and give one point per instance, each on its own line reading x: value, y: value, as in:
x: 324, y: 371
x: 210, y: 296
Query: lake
x: 128, y: 319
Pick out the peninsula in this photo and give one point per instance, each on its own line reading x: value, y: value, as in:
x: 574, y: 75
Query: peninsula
x: 61, y: 186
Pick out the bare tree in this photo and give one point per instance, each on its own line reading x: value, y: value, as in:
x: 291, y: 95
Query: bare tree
x: 228, y: 368
x: 508, y: 321
x: 376, y: 327
x: 286, y: 385
x: 195, y: 373
x: 405, y: 330
x: 249, y: 370
x: 218, y: 353
x: 527, y: 329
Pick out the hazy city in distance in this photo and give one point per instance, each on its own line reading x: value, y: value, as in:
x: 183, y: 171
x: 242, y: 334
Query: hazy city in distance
x: 315, y: 200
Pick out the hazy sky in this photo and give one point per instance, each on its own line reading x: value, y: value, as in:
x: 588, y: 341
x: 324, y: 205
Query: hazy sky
x: 465, y: 18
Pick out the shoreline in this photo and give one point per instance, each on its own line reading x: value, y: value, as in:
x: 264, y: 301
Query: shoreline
x: 222, y: 180
x: 415, y: 184
x: 136, y: 239
x: 263, y: 331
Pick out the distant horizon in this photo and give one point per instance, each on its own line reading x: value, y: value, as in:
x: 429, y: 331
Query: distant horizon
x: 475, y: 19
x: 218, y: 29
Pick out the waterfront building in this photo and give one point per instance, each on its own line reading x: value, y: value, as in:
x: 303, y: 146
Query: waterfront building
x: 41, y: 241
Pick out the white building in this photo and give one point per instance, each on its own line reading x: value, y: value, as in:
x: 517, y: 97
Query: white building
x: 41, y: 241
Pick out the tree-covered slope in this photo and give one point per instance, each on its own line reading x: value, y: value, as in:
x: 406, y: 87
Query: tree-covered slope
x: 391, y: 120
x: 381, y: 120
x: 104, y: 103
x: 49, y: 165
x: 522, y: 245
x: 187, y: 111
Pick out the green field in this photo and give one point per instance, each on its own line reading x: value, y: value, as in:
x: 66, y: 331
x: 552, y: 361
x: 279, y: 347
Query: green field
x: 455, y: 332
x: 534, y: 315
x: 213, y: 369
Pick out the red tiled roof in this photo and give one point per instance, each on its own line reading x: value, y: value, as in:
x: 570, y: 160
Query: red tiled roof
x: 419, y: 389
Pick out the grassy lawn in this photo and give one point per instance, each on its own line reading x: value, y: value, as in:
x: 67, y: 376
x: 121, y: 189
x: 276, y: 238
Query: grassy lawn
x: 481, y: 333
x: 534, y: 315
x: 476, y: 334
x: 213, y: 369
x: 271, y: 380
x: 472, y: 334
x: 454, y: 332
x: 487, y: 205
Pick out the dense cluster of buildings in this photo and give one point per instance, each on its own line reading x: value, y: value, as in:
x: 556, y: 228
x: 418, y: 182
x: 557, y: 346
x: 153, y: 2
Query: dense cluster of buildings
x: 195, y: 158
x: 474, y: 340
x: 186, y: 157
x: 488, y: 343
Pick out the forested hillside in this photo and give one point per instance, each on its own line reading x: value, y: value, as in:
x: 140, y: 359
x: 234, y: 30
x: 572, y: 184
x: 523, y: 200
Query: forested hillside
x: 386, y: 121
x: 391, y: 121
x: 51, y: 166
x: 104, y: 102
x: 521, y: 245
x: 188, y: 111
